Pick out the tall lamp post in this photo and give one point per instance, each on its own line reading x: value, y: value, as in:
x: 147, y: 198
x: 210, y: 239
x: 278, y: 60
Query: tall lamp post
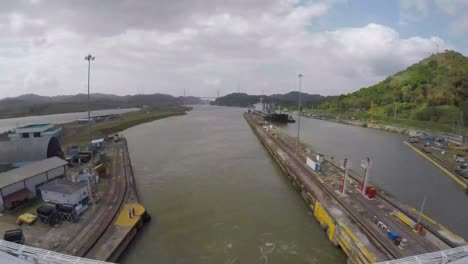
x: 299, y: 115
x: 90, y: 58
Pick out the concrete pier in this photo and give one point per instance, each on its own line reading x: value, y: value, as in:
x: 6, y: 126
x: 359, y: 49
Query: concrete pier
x: 127, y: 221
x: 364, y: 228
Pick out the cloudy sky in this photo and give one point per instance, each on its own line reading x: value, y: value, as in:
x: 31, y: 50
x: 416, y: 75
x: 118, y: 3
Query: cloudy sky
x: 166, y: 46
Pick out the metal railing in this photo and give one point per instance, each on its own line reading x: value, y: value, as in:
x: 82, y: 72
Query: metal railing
x: 41, y: 256
x: 438, y: 257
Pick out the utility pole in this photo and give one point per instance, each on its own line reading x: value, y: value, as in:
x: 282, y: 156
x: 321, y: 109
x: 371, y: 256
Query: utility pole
x: 394, y: 110
x: 299, y: 115
x: 462, y: 125
x: 420, y: 213
x: 90, y: 58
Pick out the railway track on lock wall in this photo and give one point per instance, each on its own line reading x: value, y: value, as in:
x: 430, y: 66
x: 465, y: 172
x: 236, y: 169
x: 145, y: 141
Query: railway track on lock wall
x: 387, y: 248
x: 395, y: 204
x: 86, y: 237
x: 432, y: 228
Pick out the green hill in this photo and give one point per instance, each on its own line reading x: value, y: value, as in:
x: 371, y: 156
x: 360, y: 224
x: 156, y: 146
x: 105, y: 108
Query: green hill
x: 431, y: 93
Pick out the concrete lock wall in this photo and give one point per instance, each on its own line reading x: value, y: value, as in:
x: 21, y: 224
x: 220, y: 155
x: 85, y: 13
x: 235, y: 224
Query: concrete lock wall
x: 338, y: 233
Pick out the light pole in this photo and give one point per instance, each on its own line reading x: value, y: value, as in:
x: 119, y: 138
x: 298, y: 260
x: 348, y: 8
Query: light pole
x: 90, y: 58
x: 299, y: 112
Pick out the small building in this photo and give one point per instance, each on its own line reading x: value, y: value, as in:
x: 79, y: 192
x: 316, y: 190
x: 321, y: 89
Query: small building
x: 61, y: 191
x: 97, y: 143
x: 22, y: 183
x: 35, y: 131
x: 314, y: 162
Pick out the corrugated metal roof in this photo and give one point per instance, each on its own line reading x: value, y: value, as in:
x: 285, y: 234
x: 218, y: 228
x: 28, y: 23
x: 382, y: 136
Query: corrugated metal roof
x: 62, y: 186
x: 30, y: 170
x: 25, y: 149
x: 29, y: 149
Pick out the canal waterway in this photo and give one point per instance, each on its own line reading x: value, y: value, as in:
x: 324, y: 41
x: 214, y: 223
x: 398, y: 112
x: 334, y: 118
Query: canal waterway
x: 216, y: 196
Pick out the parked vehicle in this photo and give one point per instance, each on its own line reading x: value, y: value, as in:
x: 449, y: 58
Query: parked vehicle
x: 459, y: 158
x: 413, y: 139
x: 427, y: 147
x: 26, y: 218
x: 439, y: 145
x: 15, y: 236
x: 462, y: 170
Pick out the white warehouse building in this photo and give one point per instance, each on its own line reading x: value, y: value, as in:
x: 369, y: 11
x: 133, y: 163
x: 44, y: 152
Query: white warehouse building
x: 19, y: 184
x: 61, y: 191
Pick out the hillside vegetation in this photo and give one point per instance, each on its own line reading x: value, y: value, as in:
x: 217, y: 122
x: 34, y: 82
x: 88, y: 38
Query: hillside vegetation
x: 433, y: 91
x: 285, y: 100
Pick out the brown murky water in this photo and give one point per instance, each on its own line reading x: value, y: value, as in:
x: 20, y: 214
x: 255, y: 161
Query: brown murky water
x: 216, y: 196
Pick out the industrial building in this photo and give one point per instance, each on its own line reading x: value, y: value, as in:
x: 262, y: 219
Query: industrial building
x: 29, y: 149
x: 19, y: 184
x: 36, y: 131
x: 61, y: 191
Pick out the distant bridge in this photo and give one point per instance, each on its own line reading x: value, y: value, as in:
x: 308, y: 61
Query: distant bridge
x: 209, y: 98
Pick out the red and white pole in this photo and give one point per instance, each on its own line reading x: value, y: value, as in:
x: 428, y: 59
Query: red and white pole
x: 367, y: 165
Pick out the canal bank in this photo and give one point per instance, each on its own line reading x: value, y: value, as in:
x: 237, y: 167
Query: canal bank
x: 216, y: 196
x: 441, y: 166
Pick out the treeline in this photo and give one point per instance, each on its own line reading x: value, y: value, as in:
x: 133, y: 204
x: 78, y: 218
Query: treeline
x: 289, y: 100
x: 31, y: 104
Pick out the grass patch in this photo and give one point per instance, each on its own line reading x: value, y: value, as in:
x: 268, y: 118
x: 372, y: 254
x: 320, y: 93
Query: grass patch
x: 77, y: 134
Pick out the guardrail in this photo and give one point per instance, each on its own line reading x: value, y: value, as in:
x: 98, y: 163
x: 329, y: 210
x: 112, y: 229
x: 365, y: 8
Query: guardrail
x: 42, y: 256
x: 444, y: 256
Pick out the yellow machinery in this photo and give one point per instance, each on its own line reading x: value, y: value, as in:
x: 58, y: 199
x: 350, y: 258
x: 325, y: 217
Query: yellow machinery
x: 26, y: 218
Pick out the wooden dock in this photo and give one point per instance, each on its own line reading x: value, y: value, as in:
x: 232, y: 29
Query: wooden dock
x: 351, y: 220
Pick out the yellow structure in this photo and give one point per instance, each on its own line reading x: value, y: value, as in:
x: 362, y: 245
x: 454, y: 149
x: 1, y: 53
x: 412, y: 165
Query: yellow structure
x: 341, y: 235
x: 325, y: 220
x: 26, y: 218
x: 403, y: 218
x: 130, y: 214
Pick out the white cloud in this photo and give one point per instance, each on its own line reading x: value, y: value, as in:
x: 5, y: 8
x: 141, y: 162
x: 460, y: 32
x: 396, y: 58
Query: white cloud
x: 261, y: 48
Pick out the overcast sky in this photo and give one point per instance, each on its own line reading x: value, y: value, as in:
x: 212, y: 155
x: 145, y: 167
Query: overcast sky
x: 164, y: 46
